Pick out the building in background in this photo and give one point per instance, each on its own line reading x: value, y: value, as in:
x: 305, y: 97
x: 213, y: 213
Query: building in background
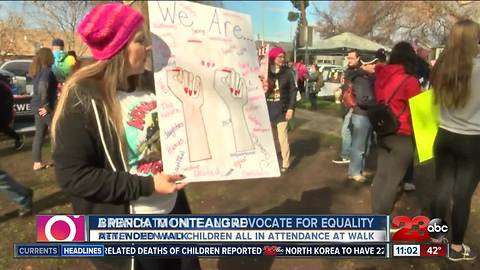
x: 334, y: 49
x: 28, y: 41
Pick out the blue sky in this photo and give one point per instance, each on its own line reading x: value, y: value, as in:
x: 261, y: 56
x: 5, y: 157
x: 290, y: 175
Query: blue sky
x: 6, y: 6
x: 269, y: 17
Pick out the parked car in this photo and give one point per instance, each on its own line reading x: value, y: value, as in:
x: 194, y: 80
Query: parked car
x: 19, y: 68
x: 9, y: 75
x: 22, y: 89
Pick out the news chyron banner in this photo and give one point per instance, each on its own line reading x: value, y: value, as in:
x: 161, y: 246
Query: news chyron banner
x: 209, y: 236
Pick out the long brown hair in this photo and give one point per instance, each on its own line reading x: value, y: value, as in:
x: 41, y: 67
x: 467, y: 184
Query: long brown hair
x: 109, y: 77
x: 453, y: 70
x: 43, y: 58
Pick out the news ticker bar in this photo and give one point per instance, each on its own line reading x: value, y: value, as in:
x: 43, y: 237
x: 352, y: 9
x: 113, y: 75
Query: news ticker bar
x: 214, y: 228
x: 379, y: 250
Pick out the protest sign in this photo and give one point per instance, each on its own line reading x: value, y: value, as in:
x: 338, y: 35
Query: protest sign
x: 425, y: 123
x: 263, y: 57
x: 213, y: 118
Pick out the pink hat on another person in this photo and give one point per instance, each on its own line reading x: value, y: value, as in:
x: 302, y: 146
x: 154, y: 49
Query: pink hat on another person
x: 107, y: 28
x: 274, y: 52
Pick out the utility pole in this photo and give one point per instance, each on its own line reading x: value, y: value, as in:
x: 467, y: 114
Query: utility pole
x: 302, y: 29
x: 295, y: 50
x: 293, y: 17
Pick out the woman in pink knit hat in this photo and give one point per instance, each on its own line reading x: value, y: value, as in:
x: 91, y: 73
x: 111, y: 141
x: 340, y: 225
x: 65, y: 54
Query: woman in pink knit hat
x: 89, y: 136
x: 281, y: 98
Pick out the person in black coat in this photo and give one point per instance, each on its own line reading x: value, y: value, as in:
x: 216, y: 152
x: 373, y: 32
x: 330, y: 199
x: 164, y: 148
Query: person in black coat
x: 281, y: 98
x: 7, y: 112
x: 8, y: 185
x: 43, y: 101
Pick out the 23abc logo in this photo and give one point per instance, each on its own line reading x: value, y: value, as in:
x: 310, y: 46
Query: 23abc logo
x: 272, y: 250
x: 419, y: 228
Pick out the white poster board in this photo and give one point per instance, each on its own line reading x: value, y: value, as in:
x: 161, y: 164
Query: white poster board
x: 214, y: 122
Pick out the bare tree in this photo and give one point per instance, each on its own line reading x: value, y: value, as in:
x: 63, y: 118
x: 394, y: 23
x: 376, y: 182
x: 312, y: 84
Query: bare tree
x: 60, y: 16
x: 391, y: 21
x: 9, y: 27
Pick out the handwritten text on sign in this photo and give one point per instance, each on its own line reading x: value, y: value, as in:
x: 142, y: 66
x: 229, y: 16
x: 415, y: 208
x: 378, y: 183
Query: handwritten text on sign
x: 213, y: 116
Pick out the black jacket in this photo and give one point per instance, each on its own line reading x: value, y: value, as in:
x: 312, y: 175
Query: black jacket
x: 96, y: 184
x: 363, y: 89
x: 6, y: 105
x: 288, y: 93
x: 423, y: 72
x: 44, y: 90
x: 288, y: 89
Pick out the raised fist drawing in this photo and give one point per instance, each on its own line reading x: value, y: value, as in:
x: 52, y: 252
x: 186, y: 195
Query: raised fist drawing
x: 188, y: 88
x: 232, y: 88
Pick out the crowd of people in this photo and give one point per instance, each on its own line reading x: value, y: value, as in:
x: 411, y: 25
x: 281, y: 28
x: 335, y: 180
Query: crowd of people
x: 96, y: 156
x: 375, y: 104
x: 48, y: 70
x: 373, y: 85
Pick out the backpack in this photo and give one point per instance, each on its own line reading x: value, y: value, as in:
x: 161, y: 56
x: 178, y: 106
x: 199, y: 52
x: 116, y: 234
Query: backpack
x: 315, y: 84
x: 348, y: 98
x: 383, y: 120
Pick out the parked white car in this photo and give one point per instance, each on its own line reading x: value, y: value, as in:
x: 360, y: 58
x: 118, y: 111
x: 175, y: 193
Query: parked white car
x: 22, y: 88
x: 22, y: 83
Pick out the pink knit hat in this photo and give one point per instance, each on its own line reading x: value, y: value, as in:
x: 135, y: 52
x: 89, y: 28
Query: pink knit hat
x: 107, y: 28
x: 274, y: 52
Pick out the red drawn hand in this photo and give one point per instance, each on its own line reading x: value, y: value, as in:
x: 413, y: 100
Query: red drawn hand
x: 186, y: 86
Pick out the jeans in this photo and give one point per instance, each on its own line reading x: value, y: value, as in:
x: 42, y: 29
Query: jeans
x: 312, y: 95
x: 14, y: 190
x: 361, y: 133
x: 395, y: 155
x: 408, y: 178
x: 347, y: 135
x: 313, y: 100
x: 457, y: 174
x: 41, y: 126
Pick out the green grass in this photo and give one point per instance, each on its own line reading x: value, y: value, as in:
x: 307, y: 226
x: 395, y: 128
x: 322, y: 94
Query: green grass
x: 324, y: 106
x: 47, y: 200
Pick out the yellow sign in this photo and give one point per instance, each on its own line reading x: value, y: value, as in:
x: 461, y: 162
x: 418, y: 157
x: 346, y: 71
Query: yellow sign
x: 425, y: 123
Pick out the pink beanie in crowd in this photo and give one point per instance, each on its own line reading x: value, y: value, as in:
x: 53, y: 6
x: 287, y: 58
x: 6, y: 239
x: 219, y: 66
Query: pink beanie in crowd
x: 107, y: 28
x: 274, y: 52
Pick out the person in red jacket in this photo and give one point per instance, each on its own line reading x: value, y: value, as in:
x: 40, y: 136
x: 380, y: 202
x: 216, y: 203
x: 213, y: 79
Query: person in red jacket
x: 396, y: 82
